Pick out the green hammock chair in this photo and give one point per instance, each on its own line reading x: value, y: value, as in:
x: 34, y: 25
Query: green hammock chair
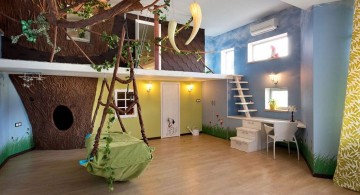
x: 128, y: 158
x: 128, y: 155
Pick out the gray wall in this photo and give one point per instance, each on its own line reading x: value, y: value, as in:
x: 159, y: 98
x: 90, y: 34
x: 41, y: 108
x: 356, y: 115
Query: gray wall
x: 216, y: 91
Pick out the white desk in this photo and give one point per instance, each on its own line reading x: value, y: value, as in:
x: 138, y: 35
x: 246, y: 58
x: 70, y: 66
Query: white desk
x: 266, y: 120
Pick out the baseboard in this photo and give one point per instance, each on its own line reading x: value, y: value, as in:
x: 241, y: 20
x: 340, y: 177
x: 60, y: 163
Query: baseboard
x: 183, y: 134
x: 152, y: 138
x: 14, y: 155
x: 322, y: 176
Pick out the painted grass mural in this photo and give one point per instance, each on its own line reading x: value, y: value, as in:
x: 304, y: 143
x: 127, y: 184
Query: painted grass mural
x: 324, y: 164
x: 219, y: 131
x: 16, y: 145
x: 307, y: 153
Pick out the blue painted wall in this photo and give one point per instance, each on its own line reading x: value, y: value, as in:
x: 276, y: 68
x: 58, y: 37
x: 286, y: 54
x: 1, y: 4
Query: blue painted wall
x: 315, y: 73
x: 209, y: 47
x: 4, y: 119
x: 332, y: 31
x: 326, y: 37
x: 306, y: 136
x: 1, y: 35
x: 12, y: 139
x: 258, y: 73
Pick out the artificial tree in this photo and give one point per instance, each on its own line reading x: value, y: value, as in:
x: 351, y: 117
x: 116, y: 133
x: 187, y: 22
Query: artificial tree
x: 53, y: 17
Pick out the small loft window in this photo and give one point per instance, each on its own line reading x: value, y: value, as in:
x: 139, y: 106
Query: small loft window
x: 269, y: 48
x: 279, y: 95
x: 77, y: 34
x: 227, y: 61
x: 123, y: 99
x: 144, y: 32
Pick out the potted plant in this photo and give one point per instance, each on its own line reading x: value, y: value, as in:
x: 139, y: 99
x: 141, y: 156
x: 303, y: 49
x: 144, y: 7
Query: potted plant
x: 272, y: 104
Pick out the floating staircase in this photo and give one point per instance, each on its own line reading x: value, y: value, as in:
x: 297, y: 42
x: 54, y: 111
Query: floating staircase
x: 243, y: 101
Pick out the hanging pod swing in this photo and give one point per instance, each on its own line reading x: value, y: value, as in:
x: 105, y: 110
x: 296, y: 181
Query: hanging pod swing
x: 124, y: 157
x: 128, y: 158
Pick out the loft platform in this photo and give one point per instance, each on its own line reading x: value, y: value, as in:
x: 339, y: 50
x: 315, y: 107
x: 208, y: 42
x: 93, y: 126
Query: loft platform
x: 84, y: 70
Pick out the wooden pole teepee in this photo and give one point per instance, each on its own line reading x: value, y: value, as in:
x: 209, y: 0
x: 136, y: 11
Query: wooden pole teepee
x: 110, y: 103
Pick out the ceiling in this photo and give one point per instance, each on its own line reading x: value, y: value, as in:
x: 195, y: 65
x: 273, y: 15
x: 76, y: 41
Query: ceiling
x: 225, y: 15
x: 306, y: 4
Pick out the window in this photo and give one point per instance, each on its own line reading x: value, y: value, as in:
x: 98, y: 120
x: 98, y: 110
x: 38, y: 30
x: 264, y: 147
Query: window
x: 77, y: 34
x: 269, y: 48
x: 227, y: 61
x: 280, y: 95
x: 123, y: 99
x: 144, y: 31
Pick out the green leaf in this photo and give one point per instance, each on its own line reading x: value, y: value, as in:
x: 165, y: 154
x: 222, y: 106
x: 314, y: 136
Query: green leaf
x: 112, y: 119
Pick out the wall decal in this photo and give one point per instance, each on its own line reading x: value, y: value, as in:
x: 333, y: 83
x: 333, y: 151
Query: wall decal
x: 171, y: 130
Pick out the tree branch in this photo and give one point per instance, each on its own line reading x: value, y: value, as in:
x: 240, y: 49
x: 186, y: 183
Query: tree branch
x: 127, y: 81
x: 54, y: 46
x: 82, y: 51
x: 55, y: 36
x: 78, y: 2
x: 53, y: 12
x: 151, y: 5
x: 181, y: 50
x: 8, y: 17
x: 122, y: 7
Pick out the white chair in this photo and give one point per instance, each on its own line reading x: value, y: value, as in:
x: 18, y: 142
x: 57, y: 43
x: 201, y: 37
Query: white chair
x: 269, y: 131
x: 284, y: 131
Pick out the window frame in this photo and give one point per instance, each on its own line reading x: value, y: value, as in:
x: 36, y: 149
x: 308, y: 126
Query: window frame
x: 116, y: 91
x: 224, y: 65
x: 73, y: 31
x: 251, y: 45
x: 269, y: 96
x: 139, y: 22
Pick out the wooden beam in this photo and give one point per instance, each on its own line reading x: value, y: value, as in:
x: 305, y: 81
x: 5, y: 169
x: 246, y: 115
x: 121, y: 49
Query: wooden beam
x: 156, y: 36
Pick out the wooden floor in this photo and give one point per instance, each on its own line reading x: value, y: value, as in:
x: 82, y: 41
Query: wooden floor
x: 185, y: 165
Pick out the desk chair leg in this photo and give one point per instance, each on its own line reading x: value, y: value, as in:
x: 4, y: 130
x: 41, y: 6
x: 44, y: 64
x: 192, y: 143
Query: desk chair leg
x: 289, y: 147
x: 297, y: 147
x: 274, y: 149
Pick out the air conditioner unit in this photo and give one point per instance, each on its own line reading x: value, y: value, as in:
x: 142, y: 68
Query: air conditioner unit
x: 263, y: 27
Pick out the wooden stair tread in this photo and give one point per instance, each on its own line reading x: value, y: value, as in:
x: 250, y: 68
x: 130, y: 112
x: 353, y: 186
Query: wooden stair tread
x: 238, y: 82
x: 242, y: 103
x: 244, y: 89
x: 250, y: 110
x: 242, y: 95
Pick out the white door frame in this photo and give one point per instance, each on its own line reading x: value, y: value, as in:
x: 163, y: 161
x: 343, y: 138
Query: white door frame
x: 178, y: 100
